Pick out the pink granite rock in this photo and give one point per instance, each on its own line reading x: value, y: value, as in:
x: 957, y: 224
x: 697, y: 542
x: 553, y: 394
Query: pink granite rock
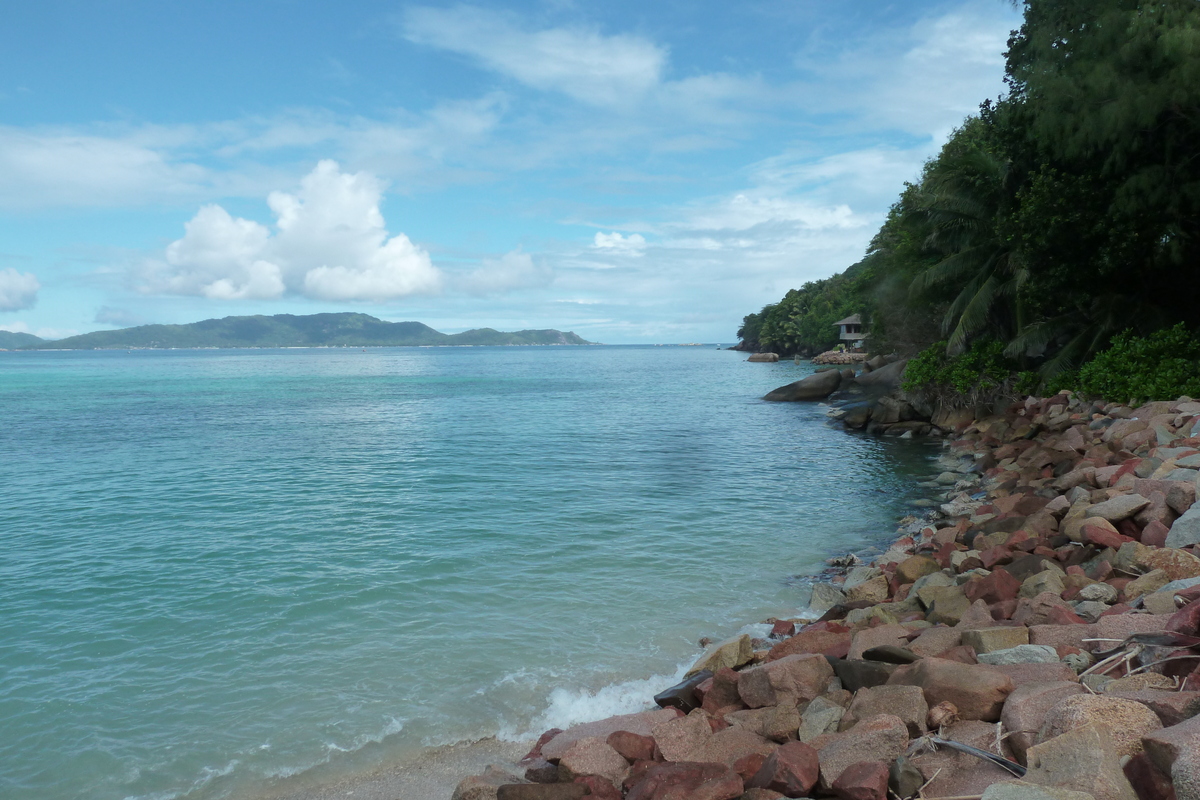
x: 977, y: 691
x: 792, y: 770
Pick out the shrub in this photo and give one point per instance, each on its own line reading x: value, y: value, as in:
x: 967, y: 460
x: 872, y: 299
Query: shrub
x: 1162, y: 366
x: 982, y: 374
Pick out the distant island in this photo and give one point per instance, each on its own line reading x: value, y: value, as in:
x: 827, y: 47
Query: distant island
x: 286, y: 330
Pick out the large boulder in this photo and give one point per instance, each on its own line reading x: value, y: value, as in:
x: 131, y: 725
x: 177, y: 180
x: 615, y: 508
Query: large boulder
x: 1083, y: 760
x: 731, y: 653
x: 764, y: 358
x: 817, y: 386
x: 594, y: 756
x: 1026, y: 708
x: 791, y: 770
x: 978, y: 692
x: 884, y: 380
x: 882, y: 738
x: 695, y: 781
x: 1126, y: 720
x: 792, y: 679
x: 642, y: 723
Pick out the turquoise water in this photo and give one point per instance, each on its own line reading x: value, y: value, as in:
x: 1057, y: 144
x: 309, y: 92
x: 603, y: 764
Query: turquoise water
x: 218, y: 568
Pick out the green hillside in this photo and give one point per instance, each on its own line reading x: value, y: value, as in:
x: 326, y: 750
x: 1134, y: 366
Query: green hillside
x: 289, y: 330
x: 14, y: 341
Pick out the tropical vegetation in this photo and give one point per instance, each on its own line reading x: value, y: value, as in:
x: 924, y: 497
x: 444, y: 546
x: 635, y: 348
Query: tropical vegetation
x: 1064, y: 214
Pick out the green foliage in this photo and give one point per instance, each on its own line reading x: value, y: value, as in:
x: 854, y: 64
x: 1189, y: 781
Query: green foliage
x: 981, y: 367
x: 1067, y: 211
x: 1162, y: 366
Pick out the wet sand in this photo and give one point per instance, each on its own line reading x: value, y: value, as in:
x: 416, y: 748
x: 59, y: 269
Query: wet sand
x: 429, y: 775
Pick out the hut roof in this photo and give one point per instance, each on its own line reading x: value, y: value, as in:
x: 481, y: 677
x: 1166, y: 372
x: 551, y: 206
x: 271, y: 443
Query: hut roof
x: 854, y: 319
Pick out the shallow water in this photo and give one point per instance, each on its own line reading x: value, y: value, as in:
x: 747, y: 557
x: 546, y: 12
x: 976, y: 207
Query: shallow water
x: 223, y: 567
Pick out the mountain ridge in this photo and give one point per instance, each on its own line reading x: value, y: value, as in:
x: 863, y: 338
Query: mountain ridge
x: 344, y: 329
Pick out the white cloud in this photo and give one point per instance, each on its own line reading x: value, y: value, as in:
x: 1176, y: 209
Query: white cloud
x: 512, y: 271
x: 18, y: 290
x: 632, y: 245
x: 330, y: 242
x: 48, y: 168
x: 582, y: 63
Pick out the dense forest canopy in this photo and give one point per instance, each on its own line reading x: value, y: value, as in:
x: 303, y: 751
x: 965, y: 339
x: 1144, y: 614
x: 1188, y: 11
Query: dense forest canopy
x: 1064, y: 213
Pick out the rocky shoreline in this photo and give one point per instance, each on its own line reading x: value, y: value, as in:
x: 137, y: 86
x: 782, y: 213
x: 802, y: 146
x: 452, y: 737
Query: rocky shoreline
x: 1038, y: 638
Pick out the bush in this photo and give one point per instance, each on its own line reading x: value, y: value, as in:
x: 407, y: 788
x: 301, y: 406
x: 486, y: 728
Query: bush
x: 1162, y: 366
x: 981, y: 375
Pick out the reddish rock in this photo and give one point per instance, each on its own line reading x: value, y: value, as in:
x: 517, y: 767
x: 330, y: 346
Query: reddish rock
x: 687, y: 781
x: 536, y: 752
x: 1045, y: 609
x: 809, y: 641
x: 642, y: 723
x: 906, y: 702
x: 993, y: 588
x: 683, y: 738
x: 598, y: 787
x: 593, y: 756
x: 866, y: 780
x: 1147, y: 780
x: 883, y: 738
x: 748, y: 766
x: 733, y: 744
x: 1102, y: 533
x: 1155, y: 534
x: 1186, y: 620
x: 792, y: 770
x: 790, y: 679
x: 882, y: 636
x: 963, y: 654
x: 1174, y: 751
x: 1021, y: 674
x: 632, y: 746
x: 977, y: 691
x: 951, y: 773
x: 722, y: 696
x: 783, y: 627
x: 1026, y: 709
x: 536, y: 791
x: 1126, y: 720
x: 1172, y: 707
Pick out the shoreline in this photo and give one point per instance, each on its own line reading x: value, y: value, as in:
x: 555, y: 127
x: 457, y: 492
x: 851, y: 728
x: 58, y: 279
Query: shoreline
x: 1053, y: 544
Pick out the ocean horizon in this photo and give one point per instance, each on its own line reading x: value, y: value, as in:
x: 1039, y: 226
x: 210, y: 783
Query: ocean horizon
x: 226, y: 568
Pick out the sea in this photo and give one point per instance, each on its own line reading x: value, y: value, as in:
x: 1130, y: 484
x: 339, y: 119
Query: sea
x: 220, y: 569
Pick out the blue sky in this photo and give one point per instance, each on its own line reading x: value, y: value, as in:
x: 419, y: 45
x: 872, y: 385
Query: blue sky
x: 635, y: 172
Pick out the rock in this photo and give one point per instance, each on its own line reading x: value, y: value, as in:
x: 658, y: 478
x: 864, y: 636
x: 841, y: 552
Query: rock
x: 1021, y: 654
x: 948, y: 605
x: 790, y: 679
x: 988, y: 640
x: 1150, y: 582
x: 977, y: 691
x: 792, y: 770
x: 1177, y: 564
x: 594, y: 756
x: 1048, y: 581
x: 817, y: 386
x: 1172, y: 707
x: 1083, y: 760
x: 933, y: 641
x: 483, y: 787
x: 883, y: 738
x: 856, y: 675
x: 874, y: 590
x: 1126, y: 720
x: 906, y: 702
x: 1166, y: 746
x: 1021, y: 674
x: 1185, y: 531
x: 760, y: 794
x: 642, y: 723
x: 683, y: 738
x: 542, y: 791
x: 722, y: 695
x: 1147, y: 780
x: 916, y: 567
x: 824, y: 597
x: 780, y: 723
x: 731, y: 653
x: 882, y: 636
x: 1099, y: 592
x: 693, y: 781
x: 976, y: 617
x: 1026, y: 708
x: 866, y: 780
x: 952, y: 773
x: 1123, y: 506
x: 1045, y: 609
x: 632, y: 746
x: 763, y: 358
x: 822, y: 716
x: 810, y: 642
x: 1024, y: 790
x: 732, y: 745
x: 1000, y: 585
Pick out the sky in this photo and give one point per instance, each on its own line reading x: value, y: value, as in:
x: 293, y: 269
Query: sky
x: 636, y: 172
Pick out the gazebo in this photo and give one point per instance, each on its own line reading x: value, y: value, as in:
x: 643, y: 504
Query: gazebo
x: 850, y: 330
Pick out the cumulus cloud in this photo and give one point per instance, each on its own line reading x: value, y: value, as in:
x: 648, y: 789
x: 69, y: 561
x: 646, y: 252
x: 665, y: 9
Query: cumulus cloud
x: 631, y: 245
x: 580, y: 62
x: 18, y: 290
x: 512, y: 271
x: 330, y: 242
